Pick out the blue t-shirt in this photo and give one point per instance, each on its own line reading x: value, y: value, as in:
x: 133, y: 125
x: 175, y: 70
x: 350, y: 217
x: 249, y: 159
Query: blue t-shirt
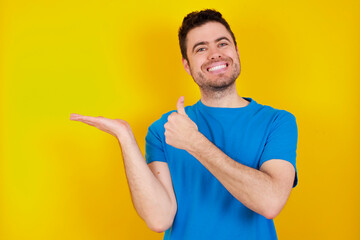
x: 249, y: 135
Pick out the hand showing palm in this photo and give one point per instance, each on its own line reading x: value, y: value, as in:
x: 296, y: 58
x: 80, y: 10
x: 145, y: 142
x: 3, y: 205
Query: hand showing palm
x: 116, y: 127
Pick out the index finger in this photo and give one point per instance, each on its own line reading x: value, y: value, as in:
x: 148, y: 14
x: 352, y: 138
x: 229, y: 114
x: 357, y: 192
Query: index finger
x: 82, y: 118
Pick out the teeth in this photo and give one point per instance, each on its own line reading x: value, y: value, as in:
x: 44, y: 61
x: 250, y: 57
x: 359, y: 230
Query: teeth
x: 217, y: 68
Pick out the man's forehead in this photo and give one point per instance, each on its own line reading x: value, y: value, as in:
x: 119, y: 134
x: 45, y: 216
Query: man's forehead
x: 208, y: 32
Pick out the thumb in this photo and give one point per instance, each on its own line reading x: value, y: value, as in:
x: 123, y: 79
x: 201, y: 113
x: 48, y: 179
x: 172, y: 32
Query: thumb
x: 180, y: 106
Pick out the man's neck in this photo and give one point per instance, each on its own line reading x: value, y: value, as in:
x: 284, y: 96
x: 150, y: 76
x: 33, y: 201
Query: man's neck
x: 225, y: 99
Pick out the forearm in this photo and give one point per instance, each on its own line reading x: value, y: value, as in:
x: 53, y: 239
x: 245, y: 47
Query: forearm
x: 149, y: 196
x: 153, y: 202
x: 255, y: 189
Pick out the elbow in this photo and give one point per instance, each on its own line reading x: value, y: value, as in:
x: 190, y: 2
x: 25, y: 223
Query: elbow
x: 272, y: 210
x: 161, y: 222
x: 270, y: 214
x: 158, y: 226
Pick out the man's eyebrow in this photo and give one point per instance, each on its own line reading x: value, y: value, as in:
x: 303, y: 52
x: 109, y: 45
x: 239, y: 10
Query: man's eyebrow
x: 222, y: 38
x: 199, y: 43
x: 204, y: 42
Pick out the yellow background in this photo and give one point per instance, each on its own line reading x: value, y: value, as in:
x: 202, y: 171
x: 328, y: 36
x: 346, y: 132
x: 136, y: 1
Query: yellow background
x: 62, y: 179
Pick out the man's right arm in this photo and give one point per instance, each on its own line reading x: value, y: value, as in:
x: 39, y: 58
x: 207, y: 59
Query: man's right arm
x: 151, y: 188
x: 150, y: 185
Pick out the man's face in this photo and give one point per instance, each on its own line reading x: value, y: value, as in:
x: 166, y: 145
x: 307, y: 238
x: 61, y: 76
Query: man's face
x: 213, y: 60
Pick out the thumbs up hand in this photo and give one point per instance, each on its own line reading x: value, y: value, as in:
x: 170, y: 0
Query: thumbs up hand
x: 180, y: 106
x: 180, y: 130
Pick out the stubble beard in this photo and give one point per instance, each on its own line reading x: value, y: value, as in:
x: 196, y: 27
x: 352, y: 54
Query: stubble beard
x: 218, y: 87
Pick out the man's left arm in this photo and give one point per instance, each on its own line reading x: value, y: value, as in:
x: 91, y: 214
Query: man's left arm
x: 264, y: 191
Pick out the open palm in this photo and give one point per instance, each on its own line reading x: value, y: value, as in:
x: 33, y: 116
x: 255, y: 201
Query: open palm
x: 116, y: 127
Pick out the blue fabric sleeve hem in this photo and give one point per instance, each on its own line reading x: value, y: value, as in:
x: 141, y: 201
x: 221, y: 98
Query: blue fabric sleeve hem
x: 150, y: 161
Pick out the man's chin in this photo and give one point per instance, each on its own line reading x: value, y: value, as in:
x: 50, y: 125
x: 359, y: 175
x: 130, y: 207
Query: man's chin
x: 220, y: 83
x: 220, y: 86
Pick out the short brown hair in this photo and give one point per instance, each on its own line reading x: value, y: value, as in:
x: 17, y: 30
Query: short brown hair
x: 196, y: 19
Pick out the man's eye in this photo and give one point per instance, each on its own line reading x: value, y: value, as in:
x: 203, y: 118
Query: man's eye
x: 223, y: 44
x: 200, y: 50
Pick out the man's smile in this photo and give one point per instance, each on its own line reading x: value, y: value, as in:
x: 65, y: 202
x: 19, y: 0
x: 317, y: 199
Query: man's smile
x: 217, y: 67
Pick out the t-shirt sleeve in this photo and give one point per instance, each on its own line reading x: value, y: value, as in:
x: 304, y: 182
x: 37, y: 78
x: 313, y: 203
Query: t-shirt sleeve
x: 281, y: 142
x: 154, y: 147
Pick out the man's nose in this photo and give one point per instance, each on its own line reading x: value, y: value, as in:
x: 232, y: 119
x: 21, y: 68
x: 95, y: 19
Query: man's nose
x: 214, y: 53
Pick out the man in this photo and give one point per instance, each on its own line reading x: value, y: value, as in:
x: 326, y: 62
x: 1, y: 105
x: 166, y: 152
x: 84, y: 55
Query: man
x: 220, y: 169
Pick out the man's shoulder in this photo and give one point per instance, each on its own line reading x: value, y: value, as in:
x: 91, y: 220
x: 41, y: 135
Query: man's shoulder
x: 273, y: 112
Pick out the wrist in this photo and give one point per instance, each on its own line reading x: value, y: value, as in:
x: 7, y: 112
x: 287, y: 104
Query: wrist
x: 196, y: 143
x: 125, y: 137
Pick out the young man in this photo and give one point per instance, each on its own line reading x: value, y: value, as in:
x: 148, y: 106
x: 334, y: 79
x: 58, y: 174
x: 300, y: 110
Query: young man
x: 220, y: 169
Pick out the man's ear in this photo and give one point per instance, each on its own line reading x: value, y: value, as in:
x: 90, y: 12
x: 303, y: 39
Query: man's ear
x: 186, y: 66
